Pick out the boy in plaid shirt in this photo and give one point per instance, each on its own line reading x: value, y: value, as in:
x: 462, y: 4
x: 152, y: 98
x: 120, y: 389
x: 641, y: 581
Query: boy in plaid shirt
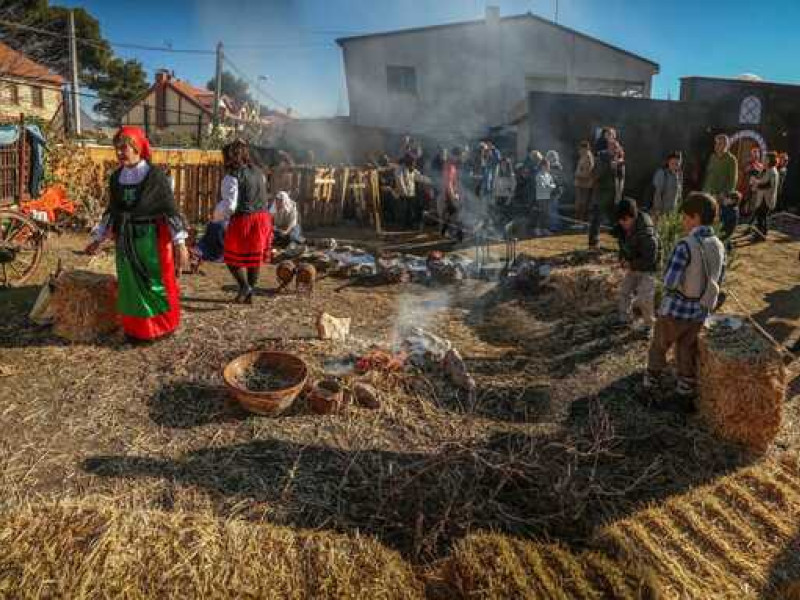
x: 691, y: 292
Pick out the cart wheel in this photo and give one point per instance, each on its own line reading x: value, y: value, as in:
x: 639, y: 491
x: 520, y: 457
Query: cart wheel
x: 21, y: 247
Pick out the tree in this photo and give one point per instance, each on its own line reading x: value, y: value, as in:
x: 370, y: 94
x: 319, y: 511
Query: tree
x: 119, y: 87
x: 233, y: 87
x: 94, y: 52
x: 118, y: 82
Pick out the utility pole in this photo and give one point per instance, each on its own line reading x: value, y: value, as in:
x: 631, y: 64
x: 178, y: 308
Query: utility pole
x: 556, y: 11
x: 73, y: 60
x: 218, y: 85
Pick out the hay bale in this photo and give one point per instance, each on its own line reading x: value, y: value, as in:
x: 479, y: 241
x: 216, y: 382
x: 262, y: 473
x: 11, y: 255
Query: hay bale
x: 84, y: 305
x: 88, y: 551
x: 585, y: 288
x: 742, y: 384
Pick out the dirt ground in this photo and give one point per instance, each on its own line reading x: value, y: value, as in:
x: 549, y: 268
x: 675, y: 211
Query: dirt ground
x: 558, y: 442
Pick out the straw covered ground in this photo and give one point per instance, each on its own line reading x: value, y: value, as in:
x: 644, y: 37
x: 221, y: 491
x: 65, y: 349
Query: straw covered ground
x: 126, y: 471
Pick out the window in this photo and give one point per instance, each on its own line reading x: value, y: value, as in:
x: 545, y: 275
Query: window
x: 750, y: 111
x: 37, y: 96
x: 401, y: 80
x: 13, y: 93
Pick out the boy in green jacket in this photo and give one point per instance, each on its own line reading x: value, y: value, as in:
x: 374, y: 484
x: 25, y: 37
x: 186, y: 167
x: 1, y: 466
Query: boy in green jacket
x: 722, y: 172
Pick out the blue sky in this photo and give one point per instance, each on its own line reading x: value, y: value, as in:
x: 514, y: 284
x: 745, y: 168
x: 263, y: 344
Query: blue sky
x: 291, y: 42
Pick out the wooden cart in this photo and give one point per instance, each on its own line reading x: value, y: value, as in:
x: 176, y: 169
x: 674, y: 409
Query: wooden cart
x: 22, y: 239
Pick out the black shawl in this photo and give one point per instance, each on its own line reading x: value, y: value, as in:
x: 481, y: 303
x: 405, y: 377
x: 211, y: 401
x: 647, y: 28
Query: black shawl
x: 154, y: 200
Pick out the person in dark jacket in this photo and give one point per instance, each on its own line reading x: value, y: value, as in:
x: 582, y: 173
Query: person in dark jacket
x: 248, y: 238
x: 639, y: 253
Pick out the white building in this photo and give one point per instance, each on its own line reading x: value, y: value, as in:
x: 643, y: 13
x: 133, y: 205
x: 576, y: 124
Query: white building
x: 463, y: 78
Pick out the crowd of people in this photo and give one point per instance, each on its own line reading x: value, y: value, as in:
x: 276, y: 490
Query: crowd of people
x: 462, y: 187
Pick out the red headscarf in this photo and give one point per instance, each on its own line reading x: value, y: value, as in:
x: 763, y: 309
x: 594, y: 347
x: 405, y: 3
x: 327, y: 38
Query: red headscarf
x: 137, y: 137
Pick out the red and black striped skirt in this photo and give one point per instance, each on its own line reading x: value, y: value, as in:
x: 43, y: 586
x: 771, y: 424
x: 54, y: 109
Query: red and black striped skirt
x: 248, y: 240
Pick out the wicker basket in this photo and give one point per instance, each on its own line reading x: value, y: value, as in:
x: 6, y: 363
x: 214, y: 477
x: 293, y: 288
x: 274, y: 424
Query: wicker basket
x: 272, y: 402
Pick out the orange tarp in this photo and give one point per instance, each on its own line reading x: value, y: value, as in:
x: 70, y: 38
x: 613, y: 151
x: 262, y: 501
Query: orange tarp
x: 52, y: 201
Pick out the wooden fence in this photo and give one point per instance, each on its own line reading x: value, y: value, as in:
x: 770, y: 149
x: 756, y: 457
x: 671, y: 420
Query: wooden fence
x: 325, y: 196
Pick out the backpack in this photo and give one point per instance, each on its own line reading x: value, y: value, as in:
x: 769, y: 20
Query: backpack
x: 711, y: 294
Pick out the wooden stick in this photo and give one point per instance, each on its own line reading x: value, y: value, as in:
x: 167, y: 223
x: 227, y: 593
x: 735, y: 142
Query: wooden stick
x: 778, y: 346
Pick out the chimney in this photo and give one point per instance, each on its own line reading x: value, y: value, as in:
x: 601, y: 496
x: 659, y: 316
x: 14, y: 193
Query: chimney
x: 163, y: 76
x: 492, y: 15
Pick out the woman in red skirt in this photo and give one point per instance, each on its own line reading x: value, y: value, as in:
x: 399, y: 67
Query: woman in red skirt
x: 248, y: 239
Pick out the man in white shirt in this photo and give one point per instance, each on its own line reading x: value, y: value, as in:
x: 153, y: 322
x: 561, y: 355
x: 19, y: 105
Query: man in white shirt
x: 286, y: 221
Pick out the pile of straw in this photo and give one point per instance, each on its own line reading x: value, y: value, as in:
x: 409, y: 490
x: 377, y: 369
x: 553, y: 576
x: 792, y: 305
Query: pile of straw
x: 742, y: 385
x: 585, y: 288
x: 85, y: 551
x: 84, y: 305
x: 501, y: 566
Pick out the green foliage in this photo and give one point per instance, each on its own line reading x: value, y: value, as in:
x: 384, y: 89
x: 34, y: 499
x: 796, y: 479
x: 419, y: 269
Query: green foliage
x: 118, y: 82
x: 670, y: 231
x: 52, y: 51
x: 123, y: 83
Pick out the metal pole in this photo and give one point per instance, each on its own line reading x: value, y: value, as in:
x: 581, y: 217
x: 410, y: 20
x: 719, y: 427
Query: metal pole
x: 73, y: 59
x: 556, y: 11
x: 218, y: 85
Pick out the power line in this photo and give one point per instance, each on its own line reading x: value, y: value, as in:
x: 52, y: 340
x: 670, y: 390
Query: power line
x: 96, y: 43
x: 90, y: 42
x: 255, y: 85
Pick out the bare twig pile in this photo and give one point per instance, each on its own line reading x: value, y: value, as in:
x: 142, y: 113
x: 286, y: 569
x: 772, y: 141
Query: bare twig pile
x: 586, y: 288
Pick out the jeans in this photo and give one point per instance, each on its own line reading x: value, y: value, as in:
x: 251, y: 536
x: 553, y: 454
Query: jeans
x: 601, y: 205
x: 638, y: 289
x: 729, y: 216
x: 555, y: 215
x: 543, y: 210
x: 761, y: 219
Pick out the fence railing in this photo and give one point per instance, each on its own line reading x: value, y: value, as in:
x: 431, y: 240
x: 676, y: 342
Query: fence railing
x: 325, y: 196
x: 15, y: 167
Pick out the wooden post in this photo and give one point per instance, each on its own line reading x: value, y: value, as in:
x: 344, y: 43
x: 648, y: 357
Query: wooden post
x: 21, y: 162
x: 146, y: 108
x: 375, y: 193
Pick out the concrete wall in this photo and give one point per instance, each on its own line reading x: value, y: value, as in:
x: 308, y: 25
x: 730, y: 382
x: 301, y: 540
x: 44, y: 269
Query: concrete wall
x: 650, y: 129
x: 51, y: 99
x: 470, y: 77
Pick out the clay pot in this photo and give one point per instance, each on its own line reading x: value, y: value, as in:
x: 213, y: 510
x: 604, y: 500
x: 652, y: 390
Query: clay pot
x: 326, y: 397
x: 285, y: 272
x: 306, y: 276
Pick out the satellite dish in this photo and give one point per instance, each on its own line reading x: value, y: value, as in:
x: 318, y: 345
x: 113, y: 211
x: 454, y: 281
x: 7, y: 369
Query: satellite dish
x: 749, y: 77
